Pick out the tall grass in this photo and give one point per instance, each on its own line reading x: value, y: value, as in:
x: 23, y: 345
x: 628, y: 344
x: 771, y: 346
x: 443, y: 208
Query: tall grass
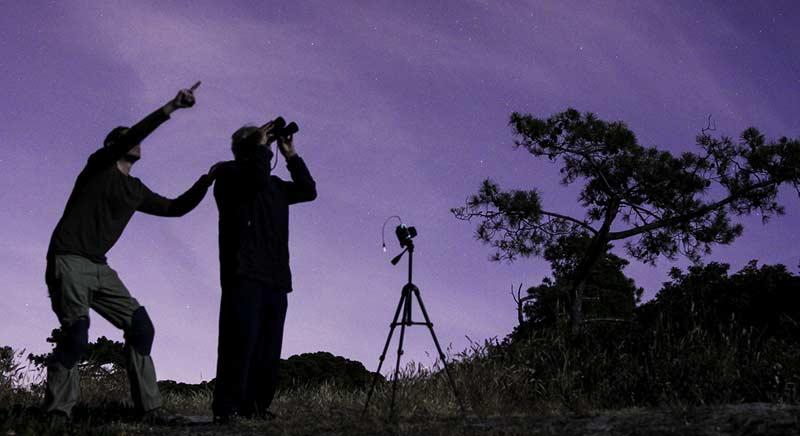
x: 542, y: 372
x: 620, y: 366
x: 20, y: 381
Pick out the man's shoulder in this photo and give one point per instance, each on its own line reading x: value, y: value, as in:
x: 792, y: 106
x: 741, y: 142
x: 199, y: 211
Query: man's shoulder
x: 226, y: 174
x: 132, y: 180
x: 97, y: 153
x: 226, y: 169
x: 134, y: 185
x: 95, y: 167
x: 98, y: 160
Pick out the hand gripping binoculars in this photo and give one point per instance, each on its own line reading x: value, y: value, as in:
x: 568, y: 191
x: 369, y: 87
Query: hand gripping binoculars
x: 278, y: 128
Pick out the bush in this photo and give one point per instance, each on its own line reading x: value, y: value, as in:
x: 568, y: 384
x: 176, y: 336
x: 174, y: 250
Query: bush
x: 707, y: 338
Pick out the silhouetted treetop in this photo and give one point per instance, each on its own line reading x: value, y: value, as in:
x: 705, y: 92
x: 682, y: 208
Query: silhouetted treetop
x: 660, y: 204
x: 664, y: 200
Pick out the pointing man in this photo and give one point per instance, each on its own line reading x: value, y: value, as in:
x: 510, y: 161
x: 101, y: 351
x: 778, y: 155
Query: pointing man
x: 103, y: 200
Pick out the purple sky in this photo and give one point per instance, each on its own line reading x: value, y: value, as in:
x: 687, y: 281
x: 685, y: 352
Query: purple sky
x: 403, y: 108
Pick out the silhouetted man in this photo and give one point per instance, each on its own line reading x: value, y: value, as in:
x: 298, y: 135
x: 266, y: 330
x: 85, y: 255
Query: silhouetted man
x: 254, y: 270
x: 103, y: 200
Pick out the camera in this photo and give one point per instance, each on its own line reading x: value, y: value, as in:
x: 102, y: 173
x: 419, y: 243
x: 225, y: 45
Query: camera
x: 405, y: 234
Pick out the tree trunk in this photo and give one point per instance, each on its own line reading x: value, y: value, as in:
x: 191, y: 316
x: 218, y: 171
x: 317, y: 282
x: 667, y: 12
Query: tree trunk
x: 579, y: 286
x: 596, y: 249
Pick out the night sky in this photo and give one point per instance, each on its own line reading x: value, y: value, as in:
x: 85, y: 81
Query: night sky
x: 403, y: 109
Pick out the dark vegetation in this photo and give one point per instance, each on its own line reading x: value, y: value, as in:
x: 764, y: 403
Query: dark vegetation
x: 106, y: 357
x: 656, y: 203
x: 709, y: 337
x: 714, y: 347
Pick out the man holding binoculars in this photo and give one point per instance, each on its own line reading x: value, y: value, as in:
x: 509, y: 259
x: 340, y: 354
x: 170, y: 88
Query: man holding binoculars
x: 254, y: 265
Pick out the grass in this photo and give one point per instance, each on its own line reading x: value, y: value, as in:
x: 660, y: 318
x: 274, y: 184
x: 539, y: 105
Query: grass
x: 423, y: 396
x: 543, y: 374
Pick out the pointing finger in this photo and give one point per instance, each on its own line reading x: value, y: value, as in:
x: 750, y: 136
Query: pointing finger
x: 195, y: 86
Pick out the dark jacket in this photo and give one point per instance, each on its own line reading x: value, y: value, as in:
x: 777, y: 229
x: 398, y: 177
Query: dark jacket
x: 254, y: 218
x: 104, y: 199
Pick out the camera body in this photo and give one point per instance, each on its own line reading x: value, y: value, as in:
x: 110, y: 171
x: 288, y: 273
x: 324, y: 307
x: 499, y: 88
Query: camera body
x: 405, y: 235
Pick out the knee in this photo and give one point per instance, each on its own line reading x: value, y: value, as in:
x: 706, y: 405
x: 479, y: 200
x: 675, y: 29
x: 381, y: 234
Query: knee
x: 141, y: 332
x: 72, y: 343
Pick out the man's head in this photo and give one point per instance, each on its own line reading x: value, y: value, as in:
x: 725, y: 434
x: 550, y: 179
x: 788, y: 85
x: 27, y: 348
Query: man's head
x: 246, y: 139
x: 116, y: 134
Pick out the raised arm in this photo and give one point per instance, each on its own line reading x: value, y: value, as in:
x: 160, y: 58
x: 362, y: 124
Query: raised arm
x: 131, y: 137
x: 302, y: 188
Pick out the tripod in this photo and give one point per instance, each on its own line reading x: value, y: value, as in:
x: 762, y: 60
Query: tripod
x: 404, y: 306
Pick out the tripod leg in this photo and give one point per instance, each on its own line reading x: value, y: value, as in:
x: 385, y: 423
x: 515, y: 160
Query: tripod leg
x: 400, y: 305
x: 439, y: 349
x: 406, y: 320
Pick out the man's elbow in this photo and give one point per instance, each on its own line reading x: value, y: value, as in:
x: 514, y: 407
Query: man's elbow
x: 310, y: 194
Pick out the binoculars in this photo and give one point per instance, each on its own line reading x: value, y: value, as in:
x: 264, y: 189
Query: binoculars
x: 278, y: 128
x: 246, y: 140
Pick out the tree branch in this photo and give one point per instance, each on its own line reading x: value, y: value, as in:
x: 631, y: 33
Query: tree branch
x: 520, y: 301
x: 571, y: 219
x: 711, y: 126
x: 639, y: 210
x: 687, y: 216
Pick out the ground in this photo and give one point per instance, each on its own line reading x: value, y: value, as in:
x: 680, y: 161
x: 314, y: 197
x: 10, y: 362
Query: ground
x: 740, y: 420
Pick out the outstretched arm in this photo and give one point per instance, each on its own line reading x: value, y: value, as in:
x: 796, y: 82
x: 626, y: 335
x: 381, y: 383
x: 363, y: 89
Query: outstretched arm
x: 136, y: 134
x: 158, y: 205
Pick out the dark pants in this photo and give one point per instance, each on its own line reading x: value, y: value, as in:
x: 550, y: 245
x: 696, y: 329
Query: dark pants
x: 249, y: 350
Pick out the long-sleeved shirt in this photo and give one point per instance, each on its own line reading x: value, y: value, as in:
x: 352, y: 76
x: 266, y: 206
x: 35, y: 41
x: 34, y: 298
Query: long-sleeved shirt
x: 254, y: 218
x: 104, y: 198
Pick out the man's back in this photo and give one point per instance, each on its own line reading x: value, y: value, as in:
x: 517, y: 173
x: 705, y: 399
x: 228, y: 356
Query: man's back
x: 102, y: 203
x: 254, y: 219
x: 99, y: 207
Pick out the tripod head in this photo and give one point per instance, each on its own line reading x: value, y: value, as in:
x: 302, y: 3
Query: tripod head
x: 405, y: 235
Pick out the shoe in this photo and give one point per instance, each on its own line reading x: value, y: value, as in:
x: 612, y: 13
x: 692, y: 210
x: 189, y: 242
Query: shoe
x: 57, y: 419
x: 226, y: 418
x: 160, y: 416
x: 268, y: 416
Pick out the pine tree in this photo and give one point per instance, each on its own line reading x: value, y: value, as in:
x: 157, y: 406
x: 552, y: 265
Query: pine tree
x: 657, y: 203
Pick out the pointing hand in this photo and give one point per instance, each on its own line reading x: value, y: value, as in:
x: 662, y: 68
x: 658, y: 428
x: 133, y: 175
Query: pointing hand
x: 184, y: 99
